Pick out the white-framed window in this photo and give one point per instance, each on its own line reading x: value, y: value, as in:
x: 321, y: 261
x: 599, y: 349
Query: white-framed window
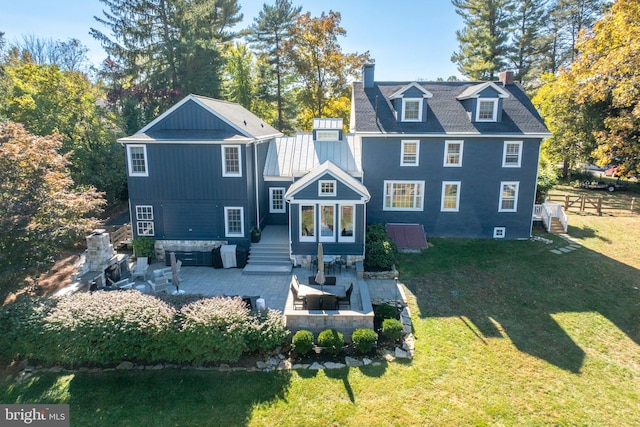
x: 327, y: 135
x: 403, y: 195
x: 410, y: 155
x: 412, y: 109
x: 453, y: 153
x: 144, y: 220
x: 276, y: 200
x: 326, y: 187
x: 450, y: 196
x: 508, y: 196
x: 137, y: 160
x: 327, y: 223
x: 307, y: 223
x: 487, y: 110
x: 499, y: 232
x: 231, y: 160
x: 512, y: 154
x: 234, y: 221
x: 347, y: 223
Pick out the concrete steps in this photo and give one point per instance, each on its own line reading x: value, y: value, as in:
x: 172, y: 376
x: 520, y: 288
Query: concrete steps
x: 268, y: 258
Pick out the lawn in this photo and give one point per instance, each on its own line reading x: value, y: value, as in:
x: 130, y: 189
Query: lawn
x: 508, y: 333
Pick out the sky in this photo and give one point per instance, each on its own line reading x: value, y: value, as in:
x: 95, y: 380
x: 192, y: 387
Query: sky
x: 408, y: 39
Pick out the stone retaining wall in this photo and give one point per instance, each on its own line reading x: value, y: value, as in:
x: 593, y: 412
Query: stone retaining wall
x: 185, y: 245
x: 345, y: 321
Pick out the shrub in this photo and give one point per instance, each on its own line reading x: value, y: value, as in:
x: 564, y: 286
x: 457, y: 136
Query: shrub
x: 381, y: 251
x: 331, y: 341
x: 392, y: 329
x: 364, y: 340
x: 385, y: 311
x: 266, y: 331
x: 144, y: 247
x: 302, y: 342
x: 213, y: 329
x: 105, y: 327
x: 22, y: 326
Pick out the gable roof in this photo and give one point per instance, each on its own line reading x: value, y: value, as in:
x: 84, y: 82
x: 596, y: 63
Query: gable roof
x: 220, y: 121
x: 474, y: 91
x: 336, y: 172
x: 293, y: 156
x: 373, y: 112
x: 425, y: 93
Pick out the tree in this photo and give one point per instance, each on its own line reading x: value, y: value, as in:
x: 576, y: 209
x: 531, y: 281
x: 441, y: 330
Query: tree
x: 529, y: 16
x: 40, y: 212
x: 269, y: 31
x: 317, y: 59
x: 160, y: 50
x: 69, y: 56
x: 47, y: 100
x: 239, y: 82
x: 607, y: 75
x: 571, y: 123
x: 484, y: 40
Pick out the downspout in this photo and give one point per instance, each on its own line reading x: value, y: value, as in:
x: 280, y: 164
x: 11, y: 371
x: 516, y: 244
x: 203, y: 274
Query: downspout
x: 256, y: 189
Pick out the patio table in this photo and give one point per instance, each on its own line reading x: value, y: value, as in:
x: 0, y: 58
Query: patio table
x: 308, y: 290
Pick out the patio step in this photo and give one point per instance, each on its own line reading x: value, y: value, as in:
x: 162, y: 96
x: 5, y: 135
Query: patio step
x: 266, y: 269
x: 268, y: 258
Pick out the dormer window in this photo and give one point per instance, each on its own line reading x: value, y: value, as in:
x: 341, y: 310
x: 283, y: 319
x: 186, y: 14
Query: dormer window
x: 411, y: 110
x: 487, y: 110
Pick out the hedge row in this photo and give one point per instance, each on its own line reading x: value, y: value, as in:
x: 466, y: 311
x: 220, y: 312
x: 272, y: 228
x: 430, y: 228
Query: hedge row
x: 104, y: 328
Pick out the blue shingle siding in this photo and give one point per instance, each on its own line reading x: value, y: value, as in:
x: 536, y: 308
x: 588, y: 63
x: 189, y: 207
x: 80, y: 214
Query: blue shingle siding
x: 480, y: 177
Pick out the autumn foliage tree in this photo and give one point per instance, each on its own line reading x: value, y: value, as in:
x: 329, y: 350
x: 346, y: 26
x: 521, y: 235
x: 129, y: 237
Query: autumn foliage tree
x: 608, y: 73
x: 324, y: 71
x: 40, y: 211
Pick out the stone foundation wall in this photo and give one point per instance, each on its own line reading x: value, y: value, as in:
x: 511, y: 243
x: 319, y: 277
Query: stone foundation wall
x: 185, y: 245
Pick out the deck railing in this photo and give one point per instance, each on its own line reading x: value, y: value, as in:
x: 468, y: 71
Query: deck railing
x: 547, y: 211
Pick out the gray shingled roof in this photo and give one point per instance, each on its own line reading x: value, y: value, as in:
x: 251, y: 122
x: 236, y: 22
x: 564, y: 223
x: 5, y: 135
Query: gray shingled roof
x: 445, y: 114
x: 294, y: 156
x: 239, y: 117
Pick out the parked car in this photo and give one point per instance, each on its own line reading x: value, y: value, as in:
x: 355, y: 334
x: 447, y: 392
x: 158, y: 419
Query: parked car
x: 611, y: 171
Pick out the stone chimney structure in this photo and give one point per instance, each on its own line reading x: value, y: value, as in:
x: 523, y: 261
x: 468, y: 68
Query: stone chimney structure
x: 367, y: 75
x: 506, y: 77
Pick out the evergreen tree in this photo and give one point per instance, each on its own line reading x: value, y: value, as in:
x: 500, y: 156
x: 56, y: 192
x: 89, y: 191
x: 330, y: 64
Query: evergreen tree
x: 484, y: 40
x: 269, y: 31
x: 162, y: 49
x: 529, y: 16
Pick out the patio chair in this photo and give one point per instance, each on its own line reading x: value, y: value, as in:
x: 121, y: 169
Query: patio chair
x: 298, y: 301
x: 124, y: 284
x: 160, y: 284
x: 346, y: 301
x: 140, y: 268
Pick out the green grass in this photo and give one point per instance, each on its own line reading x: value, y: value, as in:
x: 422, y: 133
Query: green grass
x: 508, y: 333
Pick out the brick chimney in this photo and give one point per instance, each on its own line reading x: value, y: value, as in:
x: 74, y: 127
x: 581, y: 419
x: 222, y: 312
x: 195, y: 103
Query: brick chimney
x: 367, y: 75
x: 506, y: 77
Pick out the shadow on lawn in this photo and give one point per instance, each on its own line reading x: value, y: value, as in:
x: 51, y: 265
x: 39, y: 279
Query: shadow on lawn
x: 512, y: 289
x: 154, y: 398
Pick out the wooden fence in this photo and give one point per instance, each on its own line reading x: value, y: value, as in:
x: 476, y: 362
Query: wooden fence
x: 121, y: 236
x: 599, y: 204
